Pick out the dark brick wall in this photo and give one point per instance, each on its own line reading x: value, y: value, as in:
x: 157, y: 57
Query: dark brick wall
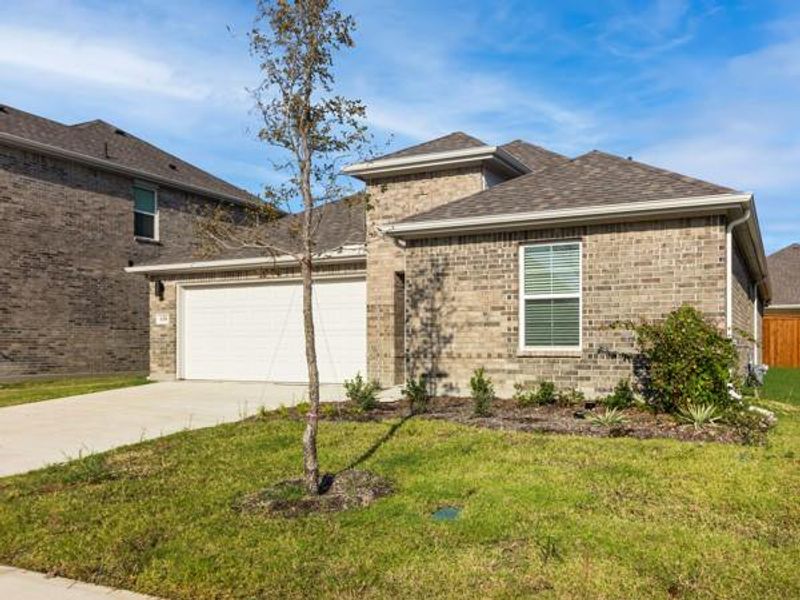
x: 66, y: 234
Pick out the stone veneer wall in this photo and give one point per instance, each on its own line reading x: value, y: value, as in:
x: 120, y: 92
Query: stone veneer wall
x: 462, y: 299
x: 66, y: 235
x: 392, y: 199
x: 163, y: 337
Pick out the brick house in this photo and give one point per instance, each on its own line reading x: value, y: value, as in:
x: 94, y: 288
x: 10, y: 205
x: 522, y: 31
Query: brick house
x: 510, y: 257
x: 78, y: 204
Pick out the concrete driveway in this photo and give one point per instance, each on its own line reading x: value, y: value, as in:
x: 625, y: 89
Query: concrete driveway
x: 42, y: 433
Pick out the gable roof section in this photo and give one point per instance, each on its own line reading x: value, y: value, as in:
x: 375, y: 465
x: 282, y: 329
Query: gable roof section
x: 593, y: 179
x: 784, y: 274
x: 458, y: 140
x: 103, y: 142
x: 534, y: 157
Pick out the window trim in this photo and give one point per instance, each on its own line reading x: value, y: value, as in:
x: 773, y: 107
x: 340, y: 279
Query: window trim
x: 156, y: 230
x: 523, y: 296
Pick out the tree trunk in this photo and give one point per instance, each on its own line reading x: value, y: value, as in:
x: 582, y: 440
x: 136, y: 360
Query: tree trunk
x: 310, y: 462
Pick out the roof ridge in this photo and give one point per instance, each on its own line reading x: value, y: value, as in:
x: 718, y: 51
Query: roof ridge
x: 650, y: 168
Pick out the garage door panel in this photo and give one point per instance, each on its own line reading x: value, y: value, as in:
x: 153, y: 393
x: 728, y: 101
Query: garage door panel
x: 255, y: 332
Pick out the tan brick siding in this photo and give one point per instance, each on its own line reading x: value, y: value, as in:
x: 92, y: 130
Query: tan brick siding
x: 163, y: 338
x: 66, y: 235
x: 462, y: 298
x: 743, y: 309
x: 392, y: 199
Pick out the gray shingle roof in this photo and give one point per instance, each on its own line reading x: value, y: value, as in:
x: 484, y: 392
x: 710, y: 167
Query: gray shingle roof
x: 534, y: 157
x: 340, y: 223
x: 592, y: 179
x: 458, y: 140
x: 100, y: 140
x: 784, y: 275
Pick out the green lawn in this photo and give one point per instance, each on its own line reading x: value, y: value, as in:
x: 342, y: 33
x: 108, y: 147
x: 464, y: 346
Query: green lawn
x: 544, y: 516
x: 34, y: 391
x: 782, y: 383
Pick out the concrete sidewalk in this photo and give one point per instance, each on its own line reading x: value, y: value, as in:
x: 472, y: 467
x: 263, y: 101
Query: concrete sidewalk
x: 16, y: 584
x: 41, y: 433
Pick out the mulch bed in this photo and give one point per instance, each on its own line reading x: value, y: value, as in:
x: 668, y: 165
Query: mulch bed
x: 576, y: 420
x: 349, y: 489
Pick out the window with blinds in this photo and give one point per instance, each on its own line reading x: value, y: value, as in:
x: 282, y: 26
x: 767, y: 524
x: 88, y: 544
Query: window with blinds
x: 550, y: 296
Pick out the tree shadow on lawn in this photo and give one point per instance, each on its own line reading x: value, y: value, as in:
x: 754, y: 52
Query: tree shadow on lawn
x: 345, y: 489
x: 390, y: 433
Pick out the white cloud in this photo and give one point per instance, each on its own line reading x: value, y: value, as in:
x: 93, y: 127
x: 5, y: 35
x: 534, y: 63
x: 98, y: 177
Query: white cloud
x: 100, y: 62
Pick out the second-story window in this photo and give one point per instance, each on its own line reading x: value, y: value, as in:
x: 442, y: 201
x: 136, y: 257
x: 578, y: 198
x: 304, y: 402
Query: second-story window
x: 145, y: 212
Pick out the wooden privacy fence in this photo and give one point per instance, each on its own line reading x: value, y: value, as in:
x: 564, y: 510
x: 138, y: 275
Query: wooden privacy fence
x: 782, y: 340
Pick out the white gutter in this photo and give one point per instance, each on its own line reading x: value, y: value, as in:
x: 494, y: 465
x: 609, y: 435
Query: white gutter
x: 729, y: 275
x: 114, y: 167
x: 564, y: 215
x: 436, y: 159
x: 343, y: 255
x: 784, y: 306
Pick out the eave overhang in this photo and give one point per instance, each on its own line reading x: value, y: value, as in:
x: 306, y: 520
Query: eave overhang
x: 732, y: 205
x: 343, y: 255
x: 494, y: 158
x: 113, y: 167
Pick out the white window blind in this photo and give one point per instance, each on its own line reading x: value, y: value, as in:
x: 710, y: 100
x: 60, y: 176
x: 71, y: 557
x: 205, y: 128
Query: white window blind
x: 550, y: 286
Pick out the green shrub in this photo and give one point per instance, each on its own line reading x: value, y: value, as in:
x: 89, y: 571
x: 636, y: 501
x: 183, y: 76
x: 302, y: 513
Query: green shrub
x: 570, y: 397
x: 544, y: 394
x: 699, y: 415
x: 612, y: 417
x: 482, y: 392
x: 683, y: 360
x: 416, y: 391
x: 361, y: 392
x: 622, y: 396
x: 751, y: 423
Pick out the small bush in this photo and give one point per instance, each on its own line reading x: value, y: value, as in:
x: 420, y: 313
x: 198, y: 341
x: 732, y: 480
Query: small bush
x: 622, y: 396
x: 416, y: 391
x: 612, y: 417
x: 570, y: 397
x: 699, y: 415
x: 751, y: 423
x: 329, y: 410
x: 544, y: 394
x: 482, y: 392
x: 361, y: 392
x: 683, y: 360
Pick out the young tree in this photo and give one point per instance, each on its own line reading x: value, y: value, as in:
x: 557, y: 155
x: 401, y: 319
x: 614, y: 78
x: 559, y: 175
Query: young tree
x: 314, y: 130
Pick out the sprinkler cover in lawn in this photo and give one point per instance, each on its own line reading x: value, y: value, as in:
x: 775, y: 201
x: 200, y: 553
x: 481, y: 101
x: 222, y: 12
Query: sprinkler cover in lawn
x: 446, y: 513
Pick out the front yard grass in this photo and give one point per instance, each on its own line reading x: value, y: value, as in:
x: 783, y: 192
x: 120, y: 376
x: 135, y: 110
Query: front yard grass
x: 544, y: 516
x: 782, y: 383
x: 35, y: 391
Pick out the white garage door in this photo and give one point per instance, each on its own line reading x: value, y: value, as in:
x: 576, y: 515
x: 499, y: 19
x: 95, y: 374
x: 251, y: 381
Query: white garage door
x: 245, y: 332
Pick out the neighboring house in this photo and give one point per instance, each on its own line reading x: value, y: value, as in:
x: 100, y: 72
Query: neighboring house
x: 78, y: 204
x: 510, y: 257
x: 782, y: 317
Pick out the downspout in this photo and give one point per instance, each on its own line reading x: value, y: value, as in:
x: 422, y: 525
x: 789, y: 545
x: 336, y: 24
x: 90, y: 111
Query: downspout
x: 729, y: 276
x: 756, y: 357
x: 755, y: 323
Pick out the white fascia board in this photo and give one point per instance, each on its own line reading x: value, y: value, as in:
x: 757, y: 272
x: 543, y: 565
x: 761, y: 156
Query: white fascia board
x: 418, y: 162
x: 113, y: 167
x: 565, y: 215
x: 783, y: 307
x: 345, y: 255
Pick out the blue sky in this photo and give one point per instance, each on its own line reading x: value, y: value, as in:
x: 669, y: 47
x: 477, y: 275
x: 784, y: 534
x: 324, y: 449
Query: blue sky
x: 707, y: 88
